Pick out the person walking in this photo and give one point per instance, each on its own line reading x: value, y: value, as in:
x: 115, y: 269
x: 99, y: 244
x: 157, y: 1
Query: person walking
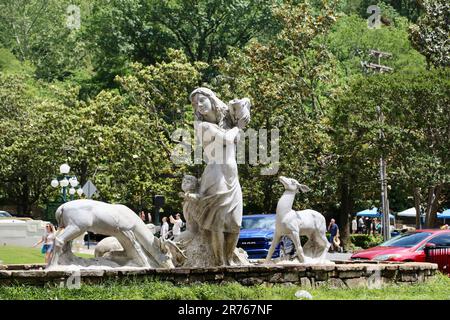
x: 142, y: 215
x: 367, y: 225
x: 177, y: 224
x: 48, y: 239
x: 164, y: 229
x: 149, y: 216
x: 373, y: 226
x: 334, y: 235
x: 361, y: 225
x: 354, y: 226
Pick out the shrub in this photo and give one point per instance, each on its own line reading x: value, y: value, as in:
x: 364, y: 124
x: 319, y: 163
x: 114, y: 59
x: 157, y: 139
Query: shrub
x: 365, y: 241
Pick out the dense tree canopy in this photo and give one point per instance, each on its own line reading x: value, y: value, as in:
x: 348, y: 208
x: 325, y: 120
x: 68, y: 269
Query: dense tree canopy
x: 106, y: 97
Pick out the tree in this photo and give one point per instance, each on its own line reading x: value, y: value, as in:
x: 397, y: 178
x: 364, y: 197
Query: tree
x: 431, y: 34
x: 122, y: 32
x: 31, y: 138
x: 120, y: 139
x: 204, y: 29
x: 37, y: 31
x: 287, y: 79
x: 124, y: 135
x: 410, y: 9
x: 350, y: 41
x: 416, y: 143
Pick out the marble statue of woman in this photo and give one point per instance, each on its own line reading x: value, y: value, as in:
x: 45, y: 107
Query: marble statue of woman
x: 218, y: 210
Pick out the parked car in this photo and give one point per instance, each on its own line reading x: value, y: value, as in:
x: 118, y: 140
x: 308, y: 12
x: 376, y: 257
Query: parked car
x: 256, y: 235
x: 5, y: 214
x: 406, y: 247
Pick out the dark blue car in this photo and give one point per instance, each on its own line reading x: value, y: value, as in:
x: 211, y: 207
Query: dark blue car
x: 256, y: 235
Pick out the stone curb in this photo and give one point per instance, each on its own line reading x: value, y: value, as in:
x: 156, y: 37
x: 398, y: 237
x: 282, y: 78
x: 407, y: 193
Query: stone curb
x: 335, y: 276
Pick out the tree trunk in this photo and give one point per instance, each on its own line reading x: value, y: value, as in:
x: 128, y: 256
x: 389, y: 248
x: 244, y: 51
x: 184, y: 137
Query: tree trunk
x: 434, y: 194
x: 417, y: 205
x: 24, y: 204
x: 346, y: 210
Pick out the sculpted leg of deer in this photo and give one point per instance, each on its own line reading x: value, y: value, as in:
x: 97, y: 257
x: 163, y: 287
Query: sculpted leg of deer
x: 276, y: 239
x: 322, y: 246
x: 295, y: 237
x: 70, y: 233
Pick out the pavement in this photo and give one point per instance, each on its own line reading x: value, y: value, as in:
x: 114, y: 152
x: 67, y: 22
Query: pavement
x: 338, y: 256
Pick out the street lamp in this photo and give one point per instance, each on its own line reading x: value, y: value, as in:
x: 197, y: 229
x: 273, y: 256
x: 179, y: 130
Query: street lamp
x: 65, y: 180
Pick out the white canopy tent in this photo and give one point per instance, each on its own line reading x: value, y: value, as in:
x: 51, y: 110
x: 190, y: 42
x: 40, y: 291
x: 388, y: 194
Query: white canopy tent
x: 409, y: 213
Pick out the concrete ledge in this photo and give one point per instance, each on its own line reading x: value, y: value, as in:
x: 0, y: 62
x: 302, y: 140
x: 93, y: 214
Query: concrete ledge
x: 341, y: 275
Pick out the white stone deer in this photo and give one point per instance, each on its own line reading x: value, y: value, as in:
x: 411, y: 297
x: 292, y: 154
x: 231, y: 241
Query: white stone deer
x: 294, y: 224
x: 140, y: 247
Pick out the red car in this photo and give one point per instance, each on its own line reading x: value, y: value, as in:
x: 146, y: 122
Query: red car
x: 407, y: 247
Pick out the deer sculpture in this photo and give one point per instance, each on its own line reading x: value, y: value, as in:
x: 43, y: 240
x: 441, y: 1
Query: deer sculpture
x: 140, y: 247
x: 294, y: 224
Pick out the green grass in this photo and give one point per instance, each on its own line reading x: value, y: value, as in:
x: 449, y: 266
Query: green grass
x: 24, y: 255
x: 436, y: 289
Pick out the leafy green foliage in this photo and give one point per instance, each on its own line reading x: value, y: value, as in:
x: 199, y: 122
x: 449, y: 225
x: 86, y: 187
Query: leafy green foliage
x: 416, y: 130
x: 285, y: 78
x: 37, y: 31
x: 435, y: 289
x: 106, y: 98
x: 365, y: 241
x: 430, y: 35
x: 350, y: 41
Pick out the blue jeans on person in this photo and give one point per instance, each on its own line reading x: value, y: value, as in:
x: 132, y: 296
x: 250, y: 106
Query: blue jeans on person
x: 47, y: 248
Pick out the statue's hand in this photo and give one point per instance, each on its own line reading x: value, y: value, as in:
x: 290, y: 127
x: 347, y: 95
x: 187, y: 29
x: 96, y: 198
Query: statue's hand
x: 192, y: 196
x: 243, y: 121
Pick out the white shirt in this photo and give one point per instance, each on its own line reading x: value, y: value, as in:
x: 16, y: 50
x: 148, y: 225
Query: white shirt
x: 49, y: 238
x: 361, y: 222
x: 354, y: 225
x: 176, y: 230
x: 164, y: 230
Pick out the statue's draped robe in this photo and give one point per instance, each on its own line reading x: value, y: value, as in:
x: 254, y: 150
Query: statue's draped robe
x: 219, y: 208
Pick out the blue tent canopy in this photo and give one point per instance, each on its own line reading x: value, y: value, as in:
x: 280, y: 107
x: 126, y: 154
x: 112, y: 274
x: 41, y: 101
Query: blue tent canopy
x: 444, y: 215
x: 372, y: 213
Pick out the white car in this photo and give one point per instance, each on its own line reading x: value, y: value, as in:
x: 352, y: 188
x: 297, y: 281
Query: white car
x: 22, y: 232
x: 5, y: 214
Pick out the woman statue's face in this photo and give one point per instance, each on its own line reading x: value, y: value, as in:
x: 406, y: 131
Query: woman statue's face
x: 203, y: 104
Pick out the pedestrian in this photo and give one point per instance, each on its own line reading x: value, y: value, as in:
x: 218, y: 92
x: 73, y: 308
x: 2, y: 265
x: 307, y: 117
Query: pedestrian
x: 149, y: 215
x: 48, y: 240
x: 373, y: 226
x: 361, y: 225
x: 164, y: 229
x: 334, y: 233
x: 367, y: 225
x: 354, y: 226
x: 379, y: 226
x: 177, y: 224
x: 142, y: 215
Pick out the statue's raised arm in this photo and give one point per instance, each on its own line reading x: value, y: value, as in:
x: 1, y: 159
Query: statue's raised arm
x: 240, y: 112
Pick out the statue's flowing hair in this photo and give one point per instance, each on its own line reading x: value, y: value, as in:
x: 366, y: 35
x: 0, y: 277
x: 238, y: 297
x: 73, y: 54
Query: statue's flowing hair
x: 218, y: 106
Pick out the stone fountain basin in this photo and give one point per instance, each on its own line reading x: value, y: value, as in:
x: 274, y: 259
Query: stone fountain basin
x: 341, y: 274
